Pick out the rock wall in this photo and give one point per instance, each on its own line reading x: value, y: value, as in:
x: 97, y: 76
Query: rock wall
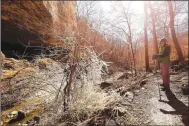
x: 63, y: 15
x: 36, y: 23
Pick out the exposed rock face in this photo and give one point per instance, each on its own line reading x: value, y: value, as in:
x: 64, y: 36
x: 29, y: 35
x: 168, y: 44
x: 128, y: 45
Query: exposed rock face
x: 36, y: 23
x: 63, y: 16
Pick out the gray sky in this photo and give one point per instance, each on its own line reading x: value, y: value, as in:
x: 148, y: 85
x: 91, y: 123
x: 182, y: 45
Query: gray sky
x: 136, y: 7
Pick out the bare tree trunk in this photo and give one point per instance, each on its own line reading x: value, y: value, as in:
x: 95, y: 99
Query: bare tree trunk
x: 166, y: 31
x: 154, y: 32
x: 173, y: 34
x: 71, y: 78
x: 129, y: 57
x: 133, y: 57
x: 166, y: 26
x: 146, y: 38
x: 131, y: 43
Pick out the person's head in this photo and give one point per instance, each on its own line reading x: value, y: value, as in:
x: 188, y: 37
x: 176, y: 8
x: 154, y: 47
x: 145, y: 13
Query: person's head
x: 162, y: 42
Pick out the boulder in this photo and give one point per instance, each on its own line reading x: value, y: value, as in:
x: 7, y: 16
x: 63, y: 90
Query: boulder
x: 124, y: 76
x: 44, y: 62
x: 36, y: 23
x: 16, y: 116
x: 142, y: 83
x: 34, y: 121
x: 105, y: 84
x: 11, y: 63
x: 7, y: 74
x: 129, y: 95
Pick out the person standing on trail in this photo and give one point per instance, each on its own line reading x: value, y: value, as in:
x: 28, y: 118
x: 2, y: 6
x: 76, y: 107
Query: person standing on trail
x: 164, y: 59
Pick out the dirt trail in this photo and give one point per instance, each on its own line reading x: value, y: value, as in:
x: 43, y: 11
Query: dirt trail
x: 148, y: 110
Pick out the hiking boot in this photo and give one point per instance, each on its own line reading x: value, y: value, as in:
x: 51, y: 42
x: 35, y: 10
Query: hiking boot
x: 165, y: 89
x: 162, y: 85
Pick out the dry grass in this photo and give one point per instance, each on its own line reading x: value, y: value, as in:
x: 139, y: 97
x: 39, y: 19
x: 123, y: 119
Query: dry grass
x: 91, y: 99
x: 86, y: 97
x: 2, y: 57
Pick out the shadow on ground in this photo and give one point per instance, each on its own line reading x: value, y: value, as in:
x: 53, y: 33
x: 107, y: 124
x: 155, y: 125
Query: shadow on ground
x: 180, y: 107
